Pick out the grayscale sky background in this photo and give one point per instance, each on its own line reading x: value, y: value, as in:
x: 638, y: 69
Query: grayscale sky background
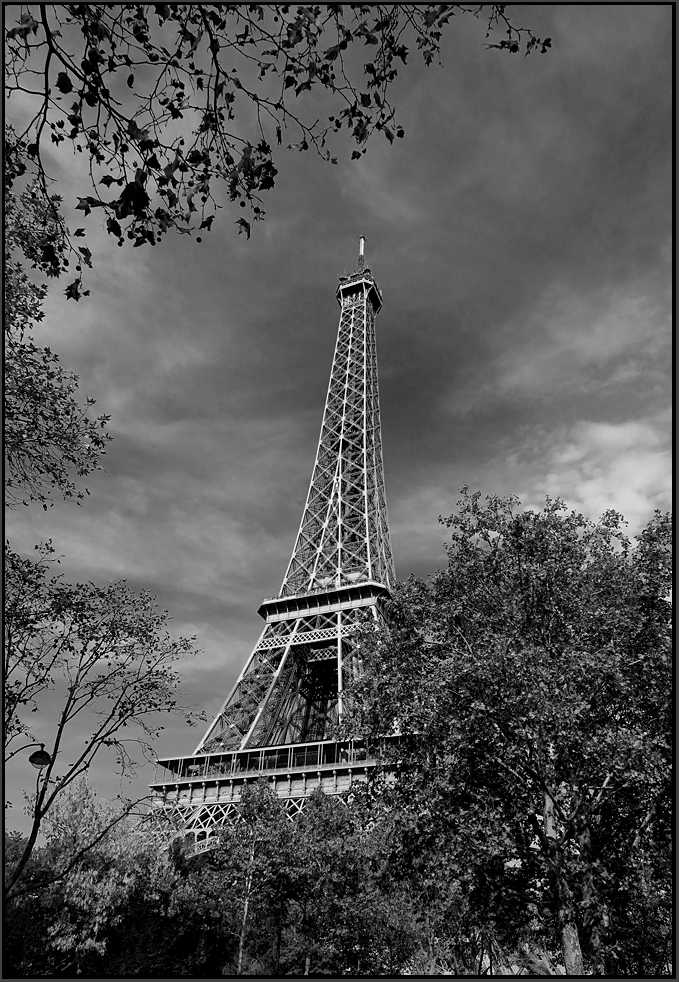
x: 520, y: 234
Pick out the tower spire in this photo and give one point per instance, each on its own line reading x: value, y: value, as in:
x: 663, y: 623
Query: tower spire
x: 289, y: 694
x: 361, y: 253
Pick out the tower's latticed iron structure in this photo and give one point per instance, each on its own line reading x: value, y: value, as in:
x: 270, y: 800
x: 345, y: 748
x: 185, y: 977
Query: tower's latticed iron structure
x: 277, y: 721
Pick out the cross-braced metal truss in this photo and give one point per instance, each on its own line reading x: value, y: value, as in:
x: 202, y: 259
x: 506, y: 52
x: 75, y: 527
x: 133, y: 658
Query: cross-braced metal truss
x: 290, y: 690
x: 344, y: 533
x: 198, y: 829
x: 204, y: 820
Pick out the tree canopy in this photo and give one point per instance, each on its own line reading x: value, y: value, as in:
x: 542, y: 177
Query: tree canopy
x: 85, y: 656
x: 50, y: 437
x: 166, y: 101
x: 534, y: 675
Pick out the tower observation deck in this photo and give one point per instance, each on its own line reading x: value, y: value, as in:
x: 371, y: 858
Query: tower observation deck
x: 277, y: 721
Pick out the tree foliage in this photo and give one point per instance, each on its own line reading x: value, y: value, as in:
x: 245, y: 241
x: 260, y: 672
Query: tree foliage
x: 535, y: 672
x: 165, y: 101
x: 276, y: 898
x: 50, y: 438
x: 373, y: 885
x: 86, y: 878
x: 83, y: 657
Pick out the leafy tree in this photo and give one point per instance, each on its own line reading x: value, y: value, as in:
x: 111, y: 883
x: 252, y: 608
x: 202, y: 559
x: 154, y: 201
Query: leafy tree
x: 48, y: 433
x: 535, y: 673
x: 276, y: 897
x: 326, y: 880
x: 258, y: 845
x: 165, y: 100
x: 95, y: 872
x: 230, y: 903
x: 82, y: 654
x: 346, y: 915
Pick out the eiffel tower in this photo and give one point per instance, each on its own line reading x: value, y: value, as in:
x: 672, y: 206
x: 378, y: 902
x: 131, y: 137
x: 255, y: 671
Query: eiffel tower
x: 277, y: 722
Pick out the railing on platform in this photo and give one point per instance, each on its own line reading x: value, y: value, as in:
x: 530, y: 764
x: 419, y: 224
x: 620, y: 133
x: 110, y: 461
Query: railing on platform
x: 293, y: 757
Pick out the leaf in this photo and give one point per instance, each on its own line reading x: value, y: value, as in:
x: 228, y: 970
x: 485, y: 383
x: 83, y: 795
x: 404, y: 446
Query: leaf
x: 170, y: 168
x: 107, y: 180
x: 243, y: 226
x: 26, y: 25
x: 134, y: 132
x: 72, y: 291
x: 79, y: 232
x: 268, y: 172
x: 63, y: 83
x: 133, y: 200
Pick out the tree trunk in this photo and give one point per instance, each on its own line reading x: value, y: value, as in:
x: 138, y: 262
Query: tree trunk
x: 279, y: 933
x: 241, y: 939
x: 592, y: 919
x: 570, y: 945
x: 38, y: 816
x: 570, y: 939
x: 246, y: 904
x: 26, y: 855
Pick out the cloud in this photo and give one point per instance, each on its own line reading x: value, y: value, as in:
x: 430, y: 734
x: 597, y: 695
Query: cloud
x: 370, y: 184
x: 568, y: 338
x: 417, y: 537
x: 599, y: 466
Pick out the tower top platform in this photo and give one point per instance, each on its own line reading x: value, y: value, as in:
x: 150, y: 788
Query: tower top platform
x: 359, y: 283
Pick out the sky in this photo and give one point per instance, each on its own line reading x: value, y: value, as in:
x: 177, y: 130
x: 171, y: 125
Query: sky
x: 520, y: 235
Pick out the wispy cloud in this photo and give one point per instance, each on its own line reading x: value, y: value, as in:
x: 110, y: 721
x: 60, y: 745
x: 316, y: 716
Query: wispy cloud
x: 599, y: 466
x: 568, y: 338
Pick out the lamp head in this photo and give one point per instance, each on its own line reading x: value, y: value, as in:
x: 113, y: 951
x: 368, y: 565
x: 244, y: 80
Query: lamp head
x: 40, y: 758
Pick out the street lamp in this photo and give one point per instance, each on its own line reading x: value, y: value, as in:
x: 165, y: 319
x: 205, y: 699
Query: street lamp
x: 40, y: 758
